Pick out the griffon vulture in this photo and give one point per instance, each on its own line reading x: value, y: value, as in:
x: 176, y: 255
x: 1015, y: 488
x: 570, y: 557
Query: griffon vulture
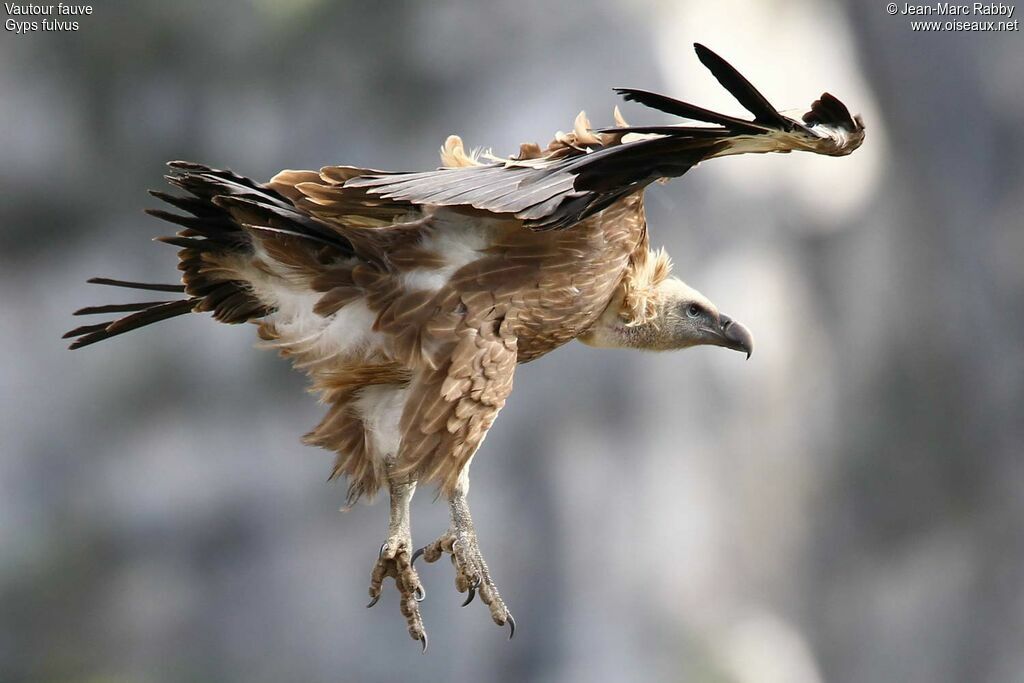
x: 409, y: 298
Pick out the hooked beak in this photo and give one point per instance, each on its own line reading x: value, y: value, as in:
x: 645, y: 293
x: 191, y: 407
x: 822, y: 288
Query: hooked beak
x: 732, y: 335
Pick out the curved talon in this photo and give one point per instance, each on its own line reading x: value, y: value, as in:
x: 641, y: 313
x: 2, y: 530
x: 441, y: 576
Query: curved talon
x: 383, y: 547
x: 373, y: 601
x: 423, y: 639
x: 471, y: 572
x: 419, y: 594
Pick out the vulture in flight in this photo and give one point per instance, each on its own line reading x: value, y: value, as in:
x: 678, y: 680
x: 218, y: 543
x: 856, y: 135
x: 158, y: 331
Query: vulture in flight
x: 410, y: 298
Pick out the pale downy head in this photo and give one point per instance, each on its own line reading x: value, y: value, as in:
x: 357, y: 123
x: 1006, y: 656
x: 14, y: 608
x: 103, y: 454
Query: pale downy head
x: 678, y: 317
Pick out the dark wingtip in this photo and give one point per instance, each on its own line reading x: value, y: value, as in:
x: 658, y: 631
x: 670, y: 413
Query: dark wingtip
x: 119, y: 308
x: 111, y: 282
x: 181, y: 165
x: 626, y: 93
x: 90, y: 334
x: 686, y: 110
x: 705, y: 53
x: 829, y: 110
x: 741, y: 89
x: 85, y: 329
x: 86, y: 339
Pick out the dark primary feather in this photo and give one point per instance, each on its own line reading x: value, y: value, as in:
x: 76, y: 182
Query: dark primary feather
x: 135, y: 285
x: 559, y: 191
x: 222, y: 209
x: 207, y: 225
x: 84, y: 329
x: 194, y: 205
x: 118, y: 308
x: 688, y: 111
x: 247, y: 210
x: 829, y: 110
x: 740, y: 88
x: 190, y: 243
x: 90, y: 334
x: 677, y: 130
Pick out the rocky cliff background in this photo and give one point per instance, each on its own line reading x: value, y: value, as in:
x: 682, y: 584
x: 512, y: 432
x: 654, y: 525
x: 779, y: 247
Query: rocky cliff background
x: 846, y: 506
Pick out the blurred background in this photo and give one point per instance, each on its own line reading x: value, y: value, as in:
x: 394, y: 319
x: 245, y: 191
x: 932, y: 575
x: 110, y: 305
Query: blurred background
x: 846, y: 506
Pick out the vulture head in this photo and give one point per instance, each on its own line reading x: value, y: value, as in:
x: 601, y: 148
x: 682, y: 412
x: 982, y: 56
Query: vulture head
x: 679, y: 317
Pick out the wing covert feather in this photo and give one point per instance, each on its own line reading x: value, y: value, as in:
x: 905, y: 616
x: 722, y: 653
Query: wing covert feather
x: 450, y: 408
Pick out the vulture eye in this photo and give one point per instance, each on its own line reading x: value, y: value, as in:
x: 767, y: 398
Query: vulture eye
x: 694, y: 311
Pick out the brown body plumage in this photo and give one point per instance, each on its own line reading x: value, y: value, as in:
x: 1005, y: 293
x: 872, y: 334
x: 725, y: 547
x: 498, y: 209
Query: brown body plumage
x: 410, y: 298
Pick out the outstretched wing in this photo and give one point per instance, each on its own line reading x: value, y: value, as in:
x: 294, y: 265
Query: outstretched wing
x: 584, y: 172
x: 224, y: 214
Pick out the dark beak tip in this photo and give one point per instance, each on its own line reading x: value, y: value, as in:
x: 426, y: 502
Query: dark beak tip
x: 738, y: 336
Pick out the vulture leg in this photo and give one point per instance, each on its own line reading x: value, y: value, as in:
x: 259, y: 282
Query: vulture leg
x: 471, y: 573
x: 395, y: 560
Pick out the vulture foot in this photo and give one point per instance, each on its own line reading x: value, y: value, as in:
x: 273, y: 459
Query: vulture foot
x: 395, y: 561
x: 471, y: 573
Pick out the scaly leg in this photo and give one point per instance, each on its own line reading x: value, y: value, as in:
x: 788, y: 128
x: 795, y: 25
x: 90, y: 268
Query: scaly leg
x: 471, y: 573
x: 394, y: 560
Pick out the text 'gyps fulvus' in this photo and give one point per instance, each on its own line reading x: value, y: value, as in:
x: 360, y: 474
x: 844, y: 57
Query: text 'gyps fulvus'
x: 409, y: 298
